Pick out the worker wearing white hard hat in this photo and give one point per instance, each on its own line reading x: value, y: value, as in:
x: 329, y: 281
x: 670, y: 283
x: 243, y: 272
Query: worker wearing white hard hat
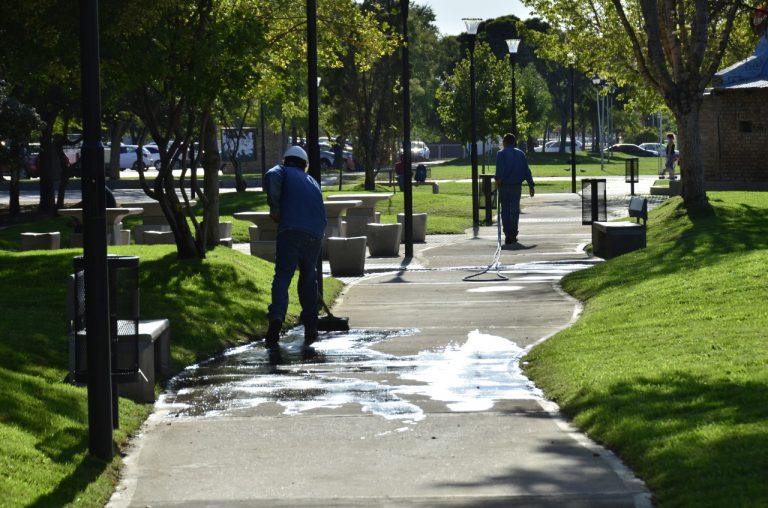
x: 296, y: 204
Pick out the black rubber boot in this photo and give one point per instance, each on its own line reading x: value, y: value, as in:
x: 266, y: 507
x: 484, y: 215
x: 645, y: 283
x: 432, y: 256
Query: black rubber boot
x: 273, y: 334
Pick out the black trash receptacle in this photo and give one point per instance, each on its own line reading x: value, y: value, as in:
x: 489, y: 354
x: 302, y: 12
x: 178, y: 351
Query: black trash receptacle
x: 123, y: 273
x: 594, y: 207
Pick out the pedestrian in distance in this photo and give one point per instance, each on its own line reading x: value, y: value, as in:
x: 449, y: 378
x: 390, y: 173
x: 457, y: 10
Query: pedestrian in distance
x: 672, y: 157
x: 400, y: 172
x: 296, y: 204
x: 511, y: 171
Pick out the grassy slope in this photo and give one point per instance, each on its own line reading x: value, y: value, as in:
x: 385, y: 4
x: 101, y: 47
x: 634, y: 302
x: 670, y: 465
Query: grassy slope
x: 667, y: 366
x: 212, y: 304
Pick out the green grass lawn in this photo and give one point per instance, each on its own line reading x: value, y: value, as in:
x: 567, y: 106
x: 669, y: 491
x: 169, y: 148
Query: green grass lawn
x: 551, y: 164
x: 212, y: 304
x: 667, y: 365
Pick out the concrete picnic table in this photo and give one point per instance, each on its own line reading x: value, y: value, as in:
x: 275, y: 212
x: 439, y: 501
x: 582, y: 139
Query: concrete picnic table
x: 114, y: 217
x: 359, y: 217
x: 334, y: 210
x: 262, y: 220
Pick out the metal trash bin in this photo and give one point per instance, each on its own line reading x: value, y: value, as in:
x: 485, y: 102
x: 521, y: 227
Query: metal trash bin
x: 123, y: 273
x: 594, y: 206
x: 487, y: 197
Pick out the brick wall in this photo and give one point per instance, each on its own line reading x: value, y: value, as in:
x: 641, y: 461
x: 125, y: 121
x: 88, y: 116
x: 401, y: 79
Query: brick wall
x: 734, y: 136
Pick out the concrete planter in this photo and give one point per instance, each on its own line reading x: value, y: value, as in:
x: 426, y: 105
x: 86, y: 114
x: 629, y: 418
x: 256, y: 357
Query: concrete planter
x: 41, y: 241
x: 419, y: 226
x: 264, y: 249
x: 347, y: 256
x: 384, y: 239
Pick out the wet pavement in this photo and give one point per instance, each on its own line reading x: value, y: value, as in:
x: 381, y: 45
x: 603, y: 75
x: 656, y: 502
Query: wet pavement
x: 423, y: 403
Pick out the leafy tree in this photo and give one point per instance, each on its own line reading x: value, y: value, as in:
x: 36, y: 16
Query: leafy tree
x: 197, y: 51
x: 18, y: 122
x: 494, y: 98
x: 39, y: 41
x: 673, y: 47
x: 363, y: 89
x: 537, y: 101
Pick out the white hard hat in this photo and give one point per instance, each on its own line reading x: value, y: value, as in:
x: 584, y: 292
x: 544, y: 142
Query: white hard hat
x: 296, y: 151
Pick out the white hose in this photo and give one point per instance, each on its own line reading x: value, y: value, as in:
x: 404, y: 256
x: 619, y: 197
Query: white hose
x: 496, y: 263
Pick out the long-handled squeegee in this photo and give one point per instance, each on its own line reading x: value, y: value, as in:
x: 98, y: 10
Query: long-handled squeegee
x: 331, y: 323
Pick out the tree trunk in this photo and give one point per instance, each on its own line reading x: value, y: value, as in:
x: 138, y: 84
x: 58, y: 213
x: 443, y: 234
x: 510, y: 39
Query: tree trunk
x: 47, y: 167
x: 14, y: 208
x: 211, y: 163
x: 116, y: 131
x: 691, y: 166
x: 563, y: 133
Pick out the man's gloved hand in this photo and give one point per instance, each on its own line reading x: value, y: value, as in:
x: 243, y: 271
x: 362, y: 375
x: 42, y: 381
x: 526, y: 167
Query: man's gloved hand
x: 531, y: 191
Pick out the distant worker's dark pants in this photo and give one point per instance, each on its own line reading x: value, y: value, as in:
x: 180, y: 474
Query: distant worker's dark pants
x: 295, y: 249
x: 400, y: 182
x: 509, y: 199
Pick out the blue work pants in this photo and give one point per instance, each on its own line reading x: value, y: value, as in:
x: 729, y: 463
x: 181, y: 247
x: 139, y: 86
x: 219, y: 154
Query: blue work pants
x: 509, y: 199
x: 296, y: 249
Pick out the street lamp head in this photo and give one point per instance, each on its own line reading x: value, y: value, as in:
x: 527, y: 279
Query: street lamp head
x: 513, y: 44
x: 472, y: 25
x: 596, y: 80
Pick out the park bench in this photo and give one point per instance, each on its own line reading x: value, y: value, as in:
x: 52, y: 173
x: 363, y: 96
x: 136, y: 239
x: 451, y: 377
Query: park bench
x: 611, y: 239
x: 154, y: 349
x: 391, y: 182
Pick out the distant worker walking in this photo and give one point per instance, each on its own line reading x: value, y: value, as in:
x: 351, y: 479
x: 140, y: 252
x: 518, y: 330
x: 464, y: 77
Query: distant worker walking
x: 511, y: 170
x: 296, y: 204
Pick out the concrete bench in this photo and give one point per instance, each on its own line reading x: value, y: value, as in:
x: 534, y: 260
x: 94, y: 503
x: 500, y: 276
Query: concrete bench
x: 41, y: 241
x: 159, y: 238
x: 154, y: 352
x: 384, y: 239
x: 611, y: 239
x: 347, y: 256
x: 419, y: 226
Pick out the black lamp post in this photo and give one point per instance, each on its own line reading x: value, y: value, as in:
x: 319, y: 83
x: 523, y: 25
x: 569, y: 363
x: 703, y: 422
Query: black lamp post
x: 313, y: 129
x: 95, y: 240
x: 472, y: 25
x: 513, y: 44
x: 572, y: 58
x: 598, y: 81
x: 407, y: 187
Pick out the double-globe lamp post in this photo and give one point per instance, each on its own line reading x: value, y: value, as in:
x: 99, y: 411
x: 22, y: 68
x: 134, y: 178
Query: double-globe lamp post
x: 472, y: 25
x: 513, y: 44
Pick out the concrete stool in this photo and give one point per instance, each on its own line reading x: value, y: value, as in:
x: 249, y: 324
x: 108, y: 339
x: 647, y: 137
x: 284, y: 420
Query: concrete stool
x: 253, y: 233
x: 41, y: 241
x: 264, y: 249
x: 140, y: 229
x: 419, y: 226
x: 347, y: 256
x: 356, y: 225
x: 159, y: 238
x: 384, y: 239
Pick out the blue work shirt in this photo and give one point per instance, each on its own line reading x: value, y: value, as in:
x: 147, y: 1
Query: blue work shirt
x: 512, y: 167
x: 296, y: 198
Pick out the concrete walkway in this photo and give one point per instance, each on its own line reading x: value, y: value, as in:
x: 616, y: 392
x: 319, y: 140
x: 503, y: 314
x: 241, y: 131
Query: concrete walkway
x: 457, y: 424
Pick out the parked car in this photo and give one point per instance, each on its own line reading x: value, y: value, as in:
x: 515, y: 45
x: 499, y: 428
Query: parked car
x: 128, y: 157
x: 630, y: 149
x: 327, y: 156
x: 419, y: 151
x: 554, y: 146
x: 154, y: 153
x: 31, y: 162
x: 659, y: 148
